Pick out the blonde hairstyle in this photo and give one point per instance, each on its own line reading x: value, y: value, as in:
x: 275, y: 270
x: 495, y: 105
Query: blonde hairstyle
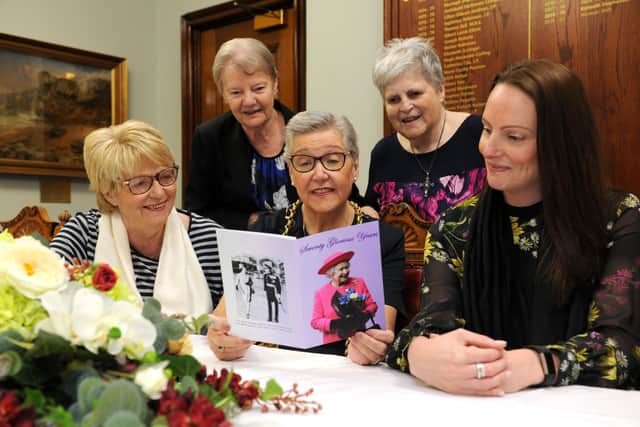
x: 250, y: 55
x: 399, y: 56
x: 112, y: 154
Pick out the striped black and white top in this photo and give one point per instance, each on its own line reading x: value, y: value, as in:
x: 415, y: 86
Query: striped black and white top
x: 79, y: 236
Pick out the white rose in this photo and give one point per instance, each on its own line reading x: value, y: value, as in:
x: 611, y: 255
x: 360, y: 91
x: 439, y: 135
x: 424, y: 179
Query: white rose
x: 30, y: 267
x: 152, y: 379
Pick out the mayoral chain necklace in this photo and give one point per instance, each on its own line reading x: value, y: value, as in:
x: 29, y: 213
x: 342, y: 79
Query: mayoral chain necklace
x: 427, y: 172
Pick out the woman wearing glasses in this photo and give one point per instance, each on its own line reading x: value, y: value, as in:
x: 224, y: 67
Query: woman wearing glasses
x: 322, y: 154
x: 162, y: 252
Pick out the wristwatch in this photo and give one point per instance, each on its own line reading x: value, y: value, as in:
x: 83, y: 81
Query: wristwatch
x: 548, y: 366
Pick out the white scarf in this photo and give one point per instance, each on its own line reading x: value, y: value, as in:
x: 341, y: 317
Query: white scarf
x: 180, y: 284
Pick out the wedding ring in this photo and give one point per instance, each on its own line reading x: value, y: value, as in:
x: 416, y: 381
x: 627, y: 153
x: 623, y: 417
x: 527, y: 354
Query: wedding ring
x: 480, y: 371
x: 220, y: 348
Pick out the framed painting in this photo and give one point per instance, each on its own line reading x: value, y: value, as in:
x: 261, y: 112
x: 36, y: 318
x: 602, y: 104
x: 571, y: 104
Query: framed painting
x: 51, y: 97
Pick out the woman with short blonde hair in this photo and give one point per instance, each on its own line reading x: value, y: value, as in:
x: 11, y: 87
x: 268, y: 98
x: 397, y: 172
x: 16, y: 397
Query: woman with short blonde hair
x: 162, y: 252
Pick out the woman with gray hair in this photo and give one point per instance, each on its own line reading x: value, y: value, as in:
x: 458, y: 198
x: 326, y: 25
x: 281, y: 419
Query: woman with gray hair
x: 322, y: 153
x: 238, y: 166
x: 431, y: 161
x: 162, y: 252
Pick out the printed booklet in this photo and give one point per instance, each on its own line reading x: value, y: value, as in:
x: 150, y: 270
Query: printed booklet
x: 302, y: 292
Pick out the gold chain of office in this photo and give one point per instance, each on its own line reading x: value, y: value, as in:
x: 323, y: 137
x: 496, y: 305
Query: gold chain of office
x: 293, y: 209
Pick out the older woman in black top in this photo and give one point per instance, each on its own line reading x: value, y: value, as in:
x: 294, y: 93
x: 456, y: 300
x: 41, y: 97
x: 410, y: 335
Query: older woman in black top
x: 238, y: 168
x: 322, y: 153
x: 537, y: 280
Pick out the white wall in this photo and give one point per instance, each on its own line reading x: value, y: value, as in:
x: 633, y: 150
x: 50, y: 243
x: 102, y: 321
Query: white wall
x: 340, y: 51
x: 342, y: 40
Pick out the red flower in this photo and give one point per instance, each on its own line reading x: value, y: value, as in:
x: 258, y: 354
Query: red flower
x: 246, y: 394
x: 170, y: 401
x: 11, y: 414
x: 185, y: 411
x: 202, y: 413
x: 104, y: 278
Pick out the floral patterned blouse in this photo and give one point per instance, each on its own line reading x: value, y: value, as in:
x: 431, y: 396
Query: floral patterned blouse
x: 606, y: 354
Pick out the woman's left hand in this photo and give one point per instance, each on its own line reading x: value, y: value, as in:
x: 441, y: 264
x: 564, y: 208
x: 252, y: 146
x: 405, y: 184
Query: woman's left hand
x: 369, y: 348
x: 526, y: 370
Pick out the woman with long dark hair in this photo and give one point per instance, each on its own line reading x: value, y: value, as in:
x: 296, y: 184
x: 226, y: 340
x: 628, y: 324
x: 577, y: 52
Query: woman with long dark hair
x: 537, y: 280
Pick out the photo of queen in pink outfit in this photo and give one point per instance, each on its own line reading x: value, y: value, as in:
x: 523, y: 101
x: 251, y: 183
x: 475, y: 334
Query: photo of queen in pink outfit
x: 344, y: 305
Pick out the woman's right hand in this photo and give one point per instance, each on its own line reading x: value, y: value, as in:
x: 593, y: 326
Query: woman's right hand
x: 448, y: 362
x: 223, y: 345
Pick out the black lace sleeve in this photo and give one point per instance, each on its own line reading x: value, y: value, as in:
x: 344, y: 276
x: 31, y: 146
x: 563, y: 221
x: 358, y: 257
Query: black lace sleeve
x: 441, y: 298
x: 608, y: 353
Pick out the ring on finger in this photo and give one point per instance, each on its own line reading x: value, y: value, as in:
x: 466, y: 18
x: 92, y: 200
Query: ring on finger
x: 480, y: 371
x: 221, y: 348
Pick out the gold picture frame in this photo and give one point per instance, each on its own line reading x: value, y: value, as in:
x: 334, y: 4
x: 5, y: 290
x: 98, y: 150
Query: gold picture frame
x: 51, y: 97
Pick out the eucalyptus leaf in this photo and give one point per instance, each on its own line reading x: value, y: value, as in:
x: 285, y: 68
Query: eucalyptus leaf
x: 89, y: 391
x: 173, y: 328
x: 121, y: 395
x: 152, y: 310
x: 71, y: 380
x: 10, y: 364
x: 123, y: 419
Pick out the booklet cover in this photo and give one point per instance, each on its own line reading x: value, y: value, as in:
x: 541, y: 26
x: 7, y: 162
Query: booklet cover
x: 302, y: 292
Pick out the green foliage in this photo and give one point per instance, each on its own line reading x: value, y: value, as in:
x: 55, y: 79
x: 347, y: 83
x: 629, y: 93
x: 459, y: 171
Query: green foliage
x: 8, y: 341
x: 113, y: 403
x: 167, y: 328
x: 272, y: 389
x: 40, y: 238
x: 19, y: 314
x: 10, y: 364
x: 197, y: 325
x: 123, y: 419
x: 46, y: 344
x: 160, y: 422
x: 88, y: 392
x: 188, y: 384
x: 52, y: 414
x: 183, y: 365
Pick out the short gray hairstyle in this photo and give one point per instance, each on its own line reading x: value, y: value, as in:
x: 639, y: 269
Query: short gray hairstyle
x: 250, y: 55
x: 399, y: 56
x: 313, y: 121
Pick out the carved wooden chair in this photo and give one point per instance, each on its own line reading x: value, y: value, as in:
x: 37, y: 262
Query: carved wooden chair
x: 34, y: 219
x: 415, y: 230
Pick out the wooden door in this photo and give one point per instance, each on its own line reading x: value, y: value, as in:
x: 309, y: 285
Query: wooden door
x: 205, y: 30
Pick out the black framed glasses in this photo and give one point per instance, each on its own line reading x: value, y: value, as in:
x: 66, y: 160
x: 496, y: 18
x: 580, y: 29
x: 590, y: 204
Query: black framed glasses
x: 142, y: 184
x: 330, y: 161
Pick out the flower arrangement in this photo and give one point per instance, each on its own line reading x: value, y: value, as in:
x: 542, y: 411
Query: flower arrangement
x: 78, y: 349
x: 350, y: 309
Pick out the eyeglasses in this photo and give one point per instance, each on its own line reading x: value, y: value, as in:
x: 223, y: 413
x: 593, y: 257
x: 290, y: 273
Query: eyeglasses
x: 142, y: 184
x: 330, y: 161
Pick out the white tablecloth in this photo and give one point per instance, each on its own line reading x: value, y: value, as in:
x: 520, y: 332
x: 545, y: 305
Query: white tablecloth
x: 377, y: 395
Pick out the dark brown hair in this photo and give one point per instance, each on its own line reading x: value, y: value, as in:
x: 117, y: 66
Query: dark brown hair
x: 571, y: 173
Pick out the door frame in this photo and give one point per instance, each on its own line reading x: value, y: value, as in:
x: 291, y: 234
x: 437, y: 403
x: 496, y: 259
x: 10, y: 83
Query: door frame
x: 191, y: 27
